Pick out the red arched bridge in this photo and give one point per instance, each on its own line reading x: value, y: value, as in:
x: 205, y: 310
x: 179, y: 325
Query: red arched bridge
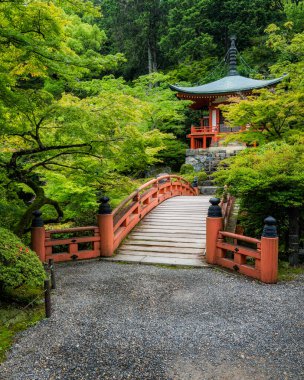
x: 165, y: 221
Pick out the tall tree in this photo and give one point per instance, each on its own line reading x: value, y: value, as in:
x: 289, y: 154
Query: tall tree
x: 55, y: 120
x: 200, y: 28
x: 134, y: 28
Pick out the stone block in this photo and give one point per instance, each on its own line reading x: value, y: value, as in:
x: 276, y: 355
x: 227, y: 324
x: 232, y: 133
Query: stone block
x: 190, y: 152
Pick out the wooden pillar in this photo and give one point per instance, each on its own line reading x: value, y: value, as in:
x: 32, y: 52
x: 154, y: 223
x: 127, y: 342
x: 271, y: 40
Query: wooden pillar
x: 38, y: 235
x: 210, y: 115
x: 106, y: 228
x: 269, y: 252
x: 217, y: 119
x: 214, y: 224
x: 192, y: 143
x: 204, y: 142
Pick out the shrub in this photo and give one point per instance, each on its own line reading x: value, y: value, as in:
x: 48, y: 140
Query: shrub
x: 201, y: 176
x: 189, y: 177
x: 21, y: 272
x: 186, y: 169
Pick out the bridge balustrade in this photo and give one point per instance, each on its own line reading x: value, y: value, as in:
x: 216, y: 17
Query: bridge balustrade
x: 257, y: 258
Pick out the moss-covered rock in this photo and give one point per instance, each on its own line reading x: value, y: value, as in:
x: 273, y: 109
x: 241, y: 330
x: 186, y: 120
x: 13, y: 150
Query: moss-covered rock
x: 21, y: 272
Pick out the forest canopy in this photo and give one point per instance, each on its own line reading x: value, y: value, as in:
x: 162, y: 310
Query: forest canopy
x: 85, y: 104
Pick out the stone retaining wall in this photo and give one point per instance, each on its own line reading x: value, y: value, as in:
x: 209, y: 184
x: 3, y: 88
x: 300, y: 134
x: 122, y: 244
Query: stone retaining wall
x: 208, y: 159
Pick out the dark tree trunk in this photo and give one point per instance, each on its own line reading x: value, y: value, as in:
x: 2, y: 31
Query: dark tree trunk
x: 40, y: 200
x: 152, y: 64
x: 294, y: 235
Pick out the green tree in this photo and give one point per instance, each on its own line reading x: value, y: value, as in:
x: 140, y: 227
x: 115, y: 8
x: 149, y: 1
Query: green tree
x: 268, y: 180
x: 134, y: 28
x: 80, y: 135
x: 196, y: 29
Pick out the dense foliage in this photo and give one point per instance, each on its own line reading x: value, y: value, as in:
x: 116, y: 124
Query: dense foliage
x: 85, y: 108
x: 67, y: 129
x: 268, y: 180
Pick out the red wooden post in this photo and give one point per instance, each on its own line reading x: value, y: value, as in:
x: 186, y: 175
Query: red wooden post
x: 106, y: 228
x: 38, y: 235
x: 204, y: 142
x: 214, y: 224
x: 192, y: 142
x: 269, y: 252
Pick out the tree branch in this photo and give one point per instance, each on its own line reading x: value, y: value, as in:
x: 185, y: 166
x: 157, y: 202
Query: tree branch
x: 48, y: 160
x: 25, y: 152
x: 64, y: 166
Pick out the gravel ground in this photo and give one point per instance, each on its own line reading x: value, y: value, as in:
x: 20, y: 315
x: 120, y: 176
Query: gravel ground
x: 115, y: 321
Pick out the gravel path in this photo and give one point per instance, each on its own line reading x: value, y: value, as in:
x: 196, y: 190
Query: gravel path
x: 114, y: 321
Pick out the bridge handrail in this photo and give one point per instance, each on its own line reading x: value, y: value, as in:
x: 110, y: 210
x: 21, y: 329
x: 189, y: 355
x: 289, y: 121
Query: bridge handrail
x: 146, y: 185
x: 70, y: 230
x: 247, y: 239
x: 112, y: 227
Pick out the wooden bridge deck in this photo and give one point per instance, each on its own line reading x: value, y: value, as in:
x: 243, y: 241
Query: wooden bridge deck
x: 174, y: 233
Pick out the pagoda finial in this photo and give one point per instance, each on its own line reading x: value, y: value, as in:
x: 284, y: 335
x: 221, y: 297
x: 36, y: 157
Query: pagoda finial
x: 232, y: 57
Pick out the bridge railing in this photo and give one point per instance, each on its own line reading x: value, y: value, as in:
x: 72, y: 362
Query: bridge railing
x: 113, y: 226
x: 257, y: 258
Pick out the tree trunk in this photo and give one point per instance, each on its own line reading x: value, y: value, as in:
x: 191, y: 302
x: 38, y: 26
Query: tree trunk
x: 152, y: 64
x: 293, y: 238
x: 150, y: 60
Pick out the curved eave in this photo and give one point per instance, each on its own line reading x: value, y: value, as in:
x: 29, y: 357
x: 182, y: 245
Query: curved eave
x: 227, y: 85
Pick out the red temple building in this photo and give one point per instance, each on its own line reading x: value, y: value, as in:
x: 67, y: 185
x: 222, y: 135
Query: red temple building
x: 209, y: 96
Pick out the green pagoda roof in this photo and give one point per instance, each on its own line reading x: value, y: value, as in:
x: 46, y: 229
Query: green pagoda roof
x: 231, y: 83
x: 227, y: 85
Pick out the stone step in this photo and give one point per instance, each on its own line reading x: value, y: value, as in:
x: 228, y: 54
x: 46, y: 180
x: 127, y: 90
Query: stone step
x: 194, y: 262
x: 164, y: 250
x: 165, y: 243
x: 175, y: 228
x: 208, y: 182
x: 208, y: 190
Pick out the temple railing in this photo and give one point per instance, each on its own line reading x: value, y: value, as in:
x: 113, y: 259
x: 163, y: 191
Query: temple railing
x: 203, y: 129
x: 113, y: 226
x: 220, y: 128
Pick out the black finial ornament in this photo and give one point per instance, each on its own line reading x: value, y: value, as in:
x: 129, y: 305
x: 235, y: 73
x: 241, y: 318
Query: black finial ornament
x: 232, y: 57
x: 195, y: 182
x: 37, y: 220
x: 270, y: 229
x: 214, y: 210
x: 104, y: 207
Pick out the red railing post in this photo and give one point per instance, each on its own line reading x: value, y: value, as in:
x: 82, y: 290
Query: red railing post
x: 38, y: 235
x: 269, y: 252
x: 106, y: 228
x: 214, y: 224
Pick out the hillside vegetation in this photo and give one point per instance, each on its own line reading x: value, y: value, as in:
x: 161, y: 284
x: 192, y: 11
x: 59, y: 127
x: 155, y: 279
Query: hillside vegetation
x: 85, y: 105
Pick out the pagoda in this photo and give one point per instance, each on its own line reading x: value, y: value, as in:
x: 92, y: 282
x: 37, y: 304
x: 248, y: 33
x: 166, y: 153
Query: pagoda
x: 209, y: 96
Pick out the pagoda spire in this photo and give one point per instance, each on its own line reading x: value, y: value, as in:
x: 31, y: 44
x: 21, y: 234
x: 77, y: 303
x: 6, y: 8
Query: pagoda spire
x: 232, y: 57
